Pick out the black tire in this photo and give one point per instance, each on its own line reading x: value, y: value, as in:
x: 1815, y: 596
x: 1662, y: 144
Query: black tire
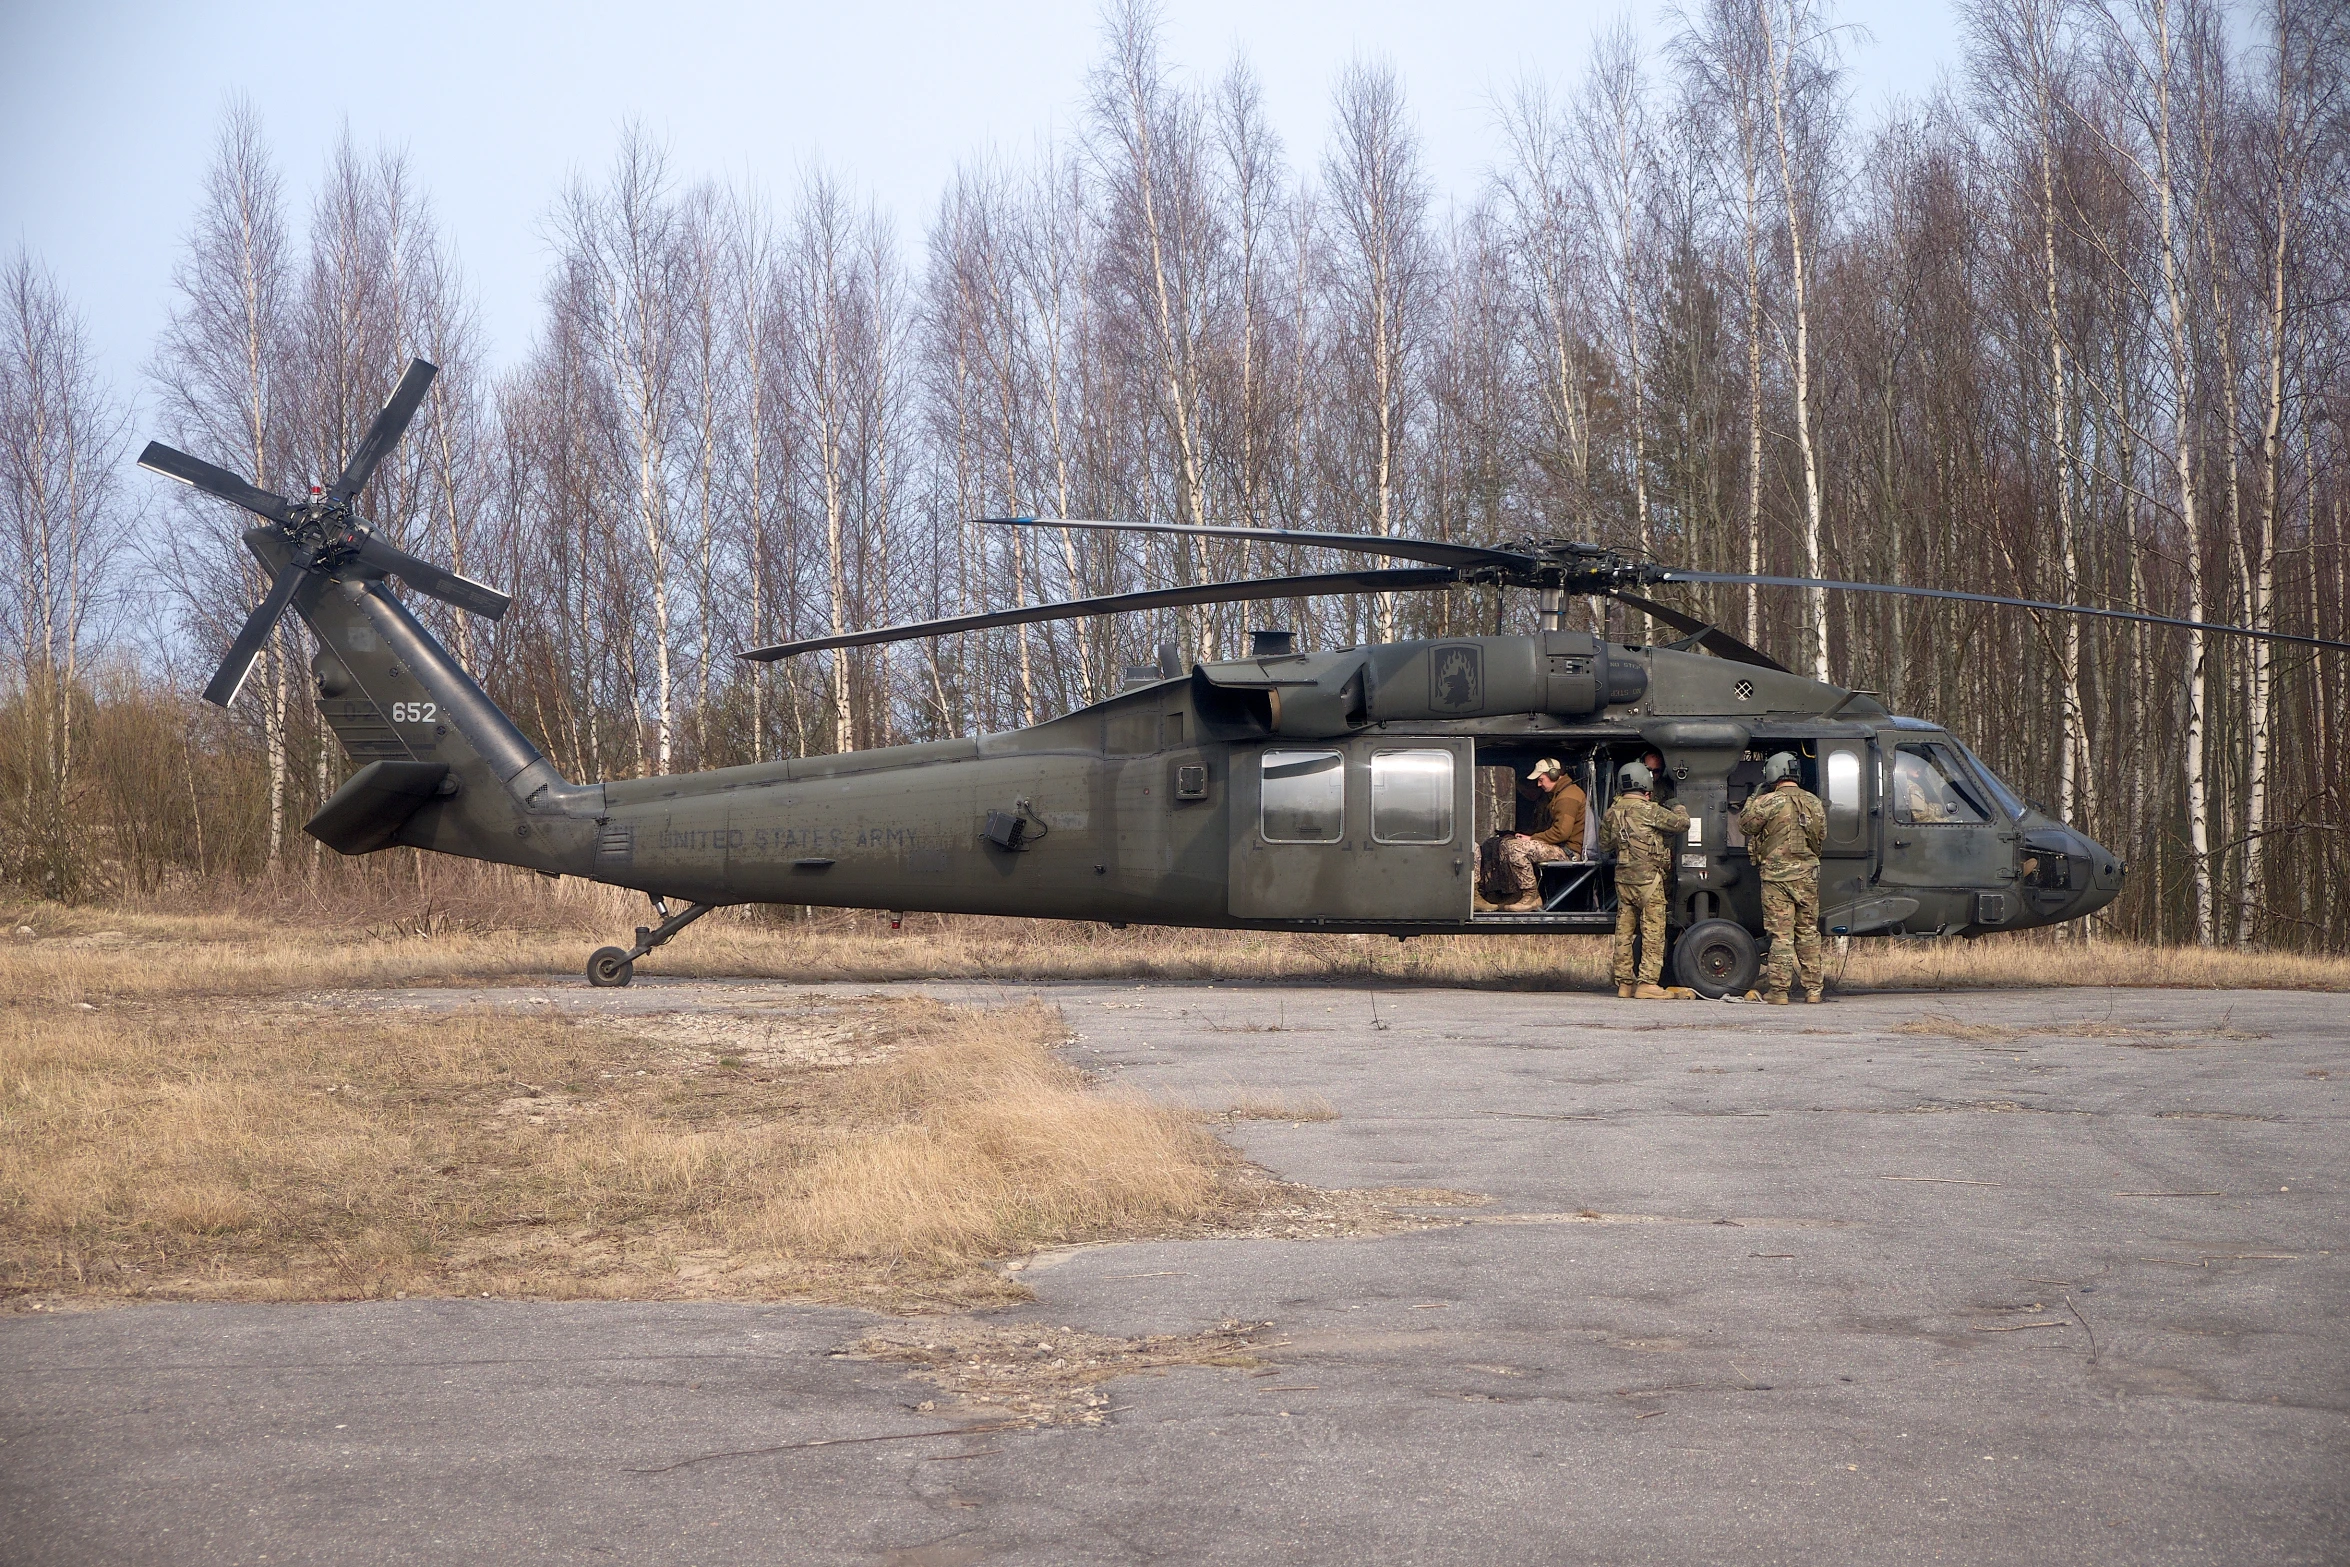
x: 610, y: 967
x: 1716, y: 958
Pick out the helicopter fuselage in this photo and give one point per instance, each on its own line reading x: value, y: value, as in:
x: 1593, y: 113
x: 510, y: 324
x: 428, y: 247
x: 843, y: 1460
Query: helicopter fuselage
x: 1341, y: 791
x: 1128, y: 812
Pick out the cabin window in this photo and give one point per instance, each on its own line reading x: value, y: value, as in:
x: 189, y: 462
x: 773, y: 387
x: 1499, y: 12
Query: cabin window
x: 1303, y: 796
x: 1840, y: 770
x: 1930, y: 788
x: 1411, y: 796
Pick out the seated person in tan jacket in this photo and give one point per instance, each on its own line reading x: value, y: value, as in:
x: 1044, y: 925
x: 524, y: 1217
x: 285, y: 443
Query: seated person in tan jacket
x: 1512, y: 879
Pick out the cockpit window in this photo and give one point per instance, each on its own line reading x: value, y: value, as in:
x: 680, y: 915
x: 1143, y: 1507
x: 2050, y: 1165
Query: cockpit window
x: 1999, y: 791
x: 1930, y: 787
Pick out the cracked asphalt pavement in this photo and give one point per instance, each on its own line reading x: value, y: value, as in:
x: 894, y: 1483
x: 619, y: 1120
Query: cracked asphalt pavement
x: 2061, y: 1278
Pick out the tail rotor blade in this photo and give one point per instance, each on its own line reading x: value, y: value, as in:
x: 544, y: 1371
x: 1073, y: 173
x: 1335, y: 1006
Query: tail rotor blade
x: 230, y: 678
x: 430, y: 580
x: 196, y: 472
x: 385, y: 433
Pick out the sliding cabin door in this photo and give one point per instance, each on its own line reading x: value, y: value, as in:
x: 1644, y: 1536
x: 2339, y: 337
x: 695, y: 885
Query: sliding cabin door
x: 1362, y: 829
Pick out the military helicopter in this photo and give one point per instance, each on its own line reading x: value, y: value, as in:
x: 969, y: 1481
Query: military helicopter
x: 1287, y: 790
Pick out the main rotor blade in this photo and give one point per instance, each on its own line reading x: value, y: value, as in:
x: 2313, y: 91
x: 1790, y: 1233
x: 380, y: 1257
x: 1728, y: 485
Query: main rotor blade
x: 385, y: 433
x: 195, y: 471
x: 429, y: 579
x: 1710, y: 637
x: 1992, y: 598
x: 1443, y: 554
x: 229, y: 679
x: 1400, y: 579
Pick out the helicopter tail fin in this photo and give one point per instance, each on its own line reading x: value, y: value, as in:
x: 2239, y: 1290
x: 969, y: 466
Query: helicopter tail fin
x: 442, y: 767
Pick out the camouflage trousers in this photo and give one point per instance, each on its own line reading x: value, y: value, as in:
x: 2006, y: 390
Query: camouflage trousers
x: 1640, y: 916
x: 1512, y: 869
x: 1791, y: 913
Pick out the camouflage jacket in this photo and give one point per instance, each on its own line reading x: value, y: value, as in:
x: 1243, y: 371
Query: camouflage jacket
x: 1784, y: 829
x: 1643, y: 834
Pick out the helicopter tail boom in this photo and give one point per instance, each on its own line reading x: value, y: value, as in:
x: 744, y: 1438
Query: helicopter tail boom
x: 443, y: 767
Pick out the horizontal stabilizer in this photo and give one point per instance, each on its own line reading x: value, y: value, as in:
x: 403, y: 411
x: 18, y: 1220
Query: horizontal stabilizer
x: 369, y: 810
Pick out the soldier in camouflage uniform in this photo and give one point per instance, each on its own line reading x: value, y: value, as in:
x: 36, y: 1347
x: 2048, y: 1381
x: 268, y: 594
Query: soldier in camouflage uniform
x: 1643, y: 834
x: 1785, y: 825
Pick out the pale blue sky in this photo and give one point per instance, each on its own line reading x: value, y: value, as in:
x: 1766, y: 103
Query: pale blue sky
x: 108, y: 107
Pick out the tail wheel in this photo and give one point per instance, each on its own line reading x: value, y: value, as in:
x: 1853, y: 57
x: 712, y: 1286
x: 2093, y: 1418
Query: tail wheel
x: 610, y: 967
x: 1716, y: 958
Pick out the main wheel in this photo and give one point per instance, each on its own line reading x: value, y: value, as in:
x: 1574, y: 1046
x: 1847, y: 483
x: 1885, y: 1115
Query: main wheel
x: 610, y: 966
x: 1716, y: 958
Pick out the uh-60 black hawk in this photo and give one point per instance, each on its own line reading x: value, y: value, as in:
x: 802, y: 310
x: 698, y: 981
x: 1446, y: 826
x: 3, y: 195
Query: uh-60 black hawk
x: 1321, y: 791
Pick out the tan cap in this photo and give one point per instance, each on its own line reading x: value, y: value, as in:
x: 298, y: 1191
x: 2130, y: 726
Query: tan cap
x: 1548, y: 767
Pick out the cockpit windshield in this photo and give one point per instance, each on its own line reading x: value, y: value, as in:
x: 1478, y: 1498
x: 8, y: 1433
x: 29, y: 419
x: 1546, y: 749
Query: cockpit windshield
x: 1999, y: 791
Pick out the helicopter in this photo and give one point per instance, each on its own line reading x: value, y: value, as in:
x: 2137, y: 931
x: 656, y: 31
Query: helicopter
x: 1287, y: 790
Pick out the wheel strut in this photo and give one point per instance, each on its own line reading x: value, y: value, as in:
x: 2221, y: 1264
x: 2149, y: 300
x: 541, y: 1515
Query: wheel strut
x: 610, y: 966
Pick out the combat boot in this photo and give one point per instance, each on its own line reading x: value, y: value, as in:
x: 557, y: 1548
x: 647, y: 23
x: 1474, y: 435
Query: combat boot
x: 1777, y: 998
x: 1814, y: 996
x: 1624, y: 992
x: 1648, y: 992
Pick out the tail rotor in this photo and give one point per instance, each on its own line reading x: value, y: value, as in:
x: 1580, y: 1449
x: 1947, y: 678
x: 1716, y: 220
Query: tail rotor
x: 321, y: 536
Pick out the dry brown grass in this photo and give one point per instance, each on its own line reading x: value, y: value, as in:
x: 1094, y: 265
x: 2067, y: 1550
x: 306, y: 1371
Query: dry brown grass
x: 186, y: 1111
x: 1248, y: 1104
x: 2037, y: 960
x: 1040, y: 1375
x: 268, y: 1150
x: 533, y: 928
x: 2141, y: 1036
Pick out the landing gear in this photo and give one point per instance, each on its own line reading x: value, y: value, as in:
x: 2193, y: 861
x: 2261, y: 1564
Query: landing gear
x: 1716, y: 957
x: 614, y: 966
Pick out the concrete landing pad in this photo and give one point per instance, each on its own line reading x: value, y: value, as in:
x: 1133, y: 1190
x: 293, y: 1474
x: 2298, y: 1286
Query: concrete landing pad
x: 1972, y: 1278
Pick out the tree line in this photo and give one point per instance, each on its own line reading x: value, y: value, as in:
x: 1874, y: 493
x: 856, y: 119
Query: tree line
x: 2071, y: 329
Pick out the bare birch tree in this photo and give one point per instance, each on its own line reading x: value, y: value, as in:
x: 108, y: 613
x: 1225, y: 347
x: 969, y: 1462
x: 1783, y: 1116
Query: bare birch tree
x: 61, y: 529
x: 1381, y: 199
x: 217, y: 375
x: 1794, y: 79
x: 626, y: 243
x: 2147, y: 49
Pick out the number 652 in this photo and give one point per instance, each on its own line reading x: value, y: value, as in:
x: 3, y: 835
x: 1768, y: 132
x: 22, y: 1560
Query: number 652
x: 415, y: 712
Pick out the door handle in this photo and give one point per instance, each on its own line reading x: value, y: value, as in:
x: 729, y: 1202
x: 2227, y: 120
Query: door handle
x: 1901, y: 843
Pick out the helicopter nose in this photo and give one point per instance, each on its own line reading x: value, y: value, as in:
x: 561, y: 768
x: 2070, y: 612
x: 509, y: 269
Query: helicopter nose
x: 2106, y: 873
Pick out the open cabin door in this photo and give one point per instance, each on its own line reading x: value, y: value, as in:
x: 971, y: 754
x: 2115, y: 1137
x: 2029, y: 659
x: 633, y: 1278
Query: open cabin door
x: 1362, y: 829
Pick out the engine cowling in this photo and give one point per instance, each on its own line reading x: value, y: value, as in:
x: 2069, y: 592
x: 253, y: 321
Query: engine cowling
x: 1568, y: 674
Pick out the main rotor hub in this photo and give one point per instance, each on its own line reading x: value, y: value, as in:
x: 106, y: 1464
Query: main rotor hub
x: 1571, y: 566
